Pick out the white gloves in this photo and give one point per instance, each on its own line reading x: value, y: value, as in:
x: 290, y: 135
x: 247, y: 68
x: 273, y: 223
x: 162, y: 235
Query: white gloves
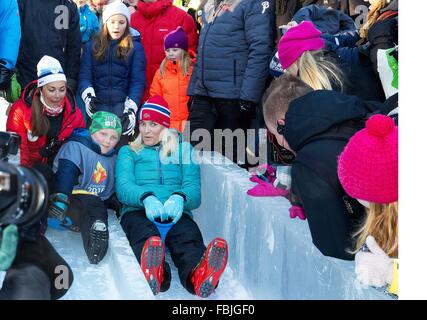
x: 88, y: 97
x: 129, y: 116
x: 373, y: 268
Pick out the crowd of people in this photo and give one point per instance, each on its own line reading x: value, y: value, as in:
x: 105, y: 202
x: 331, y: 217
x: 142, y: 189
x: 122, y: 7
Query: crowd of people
x: 109, y: 98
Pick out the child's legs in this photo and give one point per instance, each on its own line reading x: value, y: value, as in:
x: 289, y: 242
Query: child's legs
x: 185, y: 243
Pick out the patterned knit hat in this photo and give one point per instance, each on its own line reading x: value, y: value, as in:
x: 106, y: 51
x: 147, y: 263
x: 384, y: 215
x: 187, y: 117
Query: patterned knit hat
x: 368, y: 166
x: 156, y: 109
x: 297, y: 40
x: 105, y: 120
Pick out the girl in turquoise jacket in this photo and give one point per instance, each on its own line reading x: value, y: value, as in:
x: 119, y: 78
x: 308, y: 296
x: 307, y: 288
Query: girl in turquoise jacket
x: 157, y: 181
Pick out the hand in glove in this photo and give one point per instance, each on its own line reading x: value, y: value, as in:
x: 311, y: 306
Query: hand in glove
x: 174, y: 207
x: 90, y: 101
x: 153, y: 208
x: 248, y: 107
x: 373, y: 268
x: 264, y: 189
x: 8, y: 246
x: 58, y: 207
x: 129, y: 117
x: 297, y: 211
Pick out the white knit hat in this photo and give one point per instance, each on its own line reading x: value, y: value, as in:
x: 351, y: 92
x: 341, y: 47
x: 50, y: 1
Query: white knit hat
x: 49, y: 70
x: 113, y: 8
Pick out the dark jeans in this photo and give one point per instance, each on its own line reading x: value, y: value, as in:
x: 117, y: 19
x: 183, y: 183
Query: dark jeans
x: 215, y: 113
x: 184, y: 241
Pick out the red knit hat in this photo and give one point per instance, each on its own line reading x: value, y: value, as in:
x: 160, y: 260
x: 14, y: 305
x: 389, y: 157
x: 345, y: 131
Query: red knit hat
x: 156, y: 109
x: 297, y: 40
x: 368, y: 166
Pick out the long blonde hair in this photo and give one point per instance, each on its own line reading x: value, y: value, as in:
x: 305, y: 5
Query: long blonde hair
x: 381, y: 223
x: 103, y: 40
x: 169, y: 141
x: 185, y: 64
x: 317, y: 71
x: 372, y: 17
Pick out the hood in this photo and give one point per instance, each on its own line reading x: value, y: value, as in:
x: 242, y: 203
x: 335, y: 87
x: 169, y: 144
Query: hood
x: 136, y: 36
x: 393, y: 6
x: 83, y: 136
x: 318, y: 111
x: 153, y: 9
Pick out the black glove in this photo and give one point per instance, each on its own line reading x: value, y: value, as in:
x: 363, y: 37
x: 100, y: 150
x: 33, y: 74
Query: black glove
x: 91, y: 103
x: 5, y: 76
x: 248, y: 108
x: 128, y: 121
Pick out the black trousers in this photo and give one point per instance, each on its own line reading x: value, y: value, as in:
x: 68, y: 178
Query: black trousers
x: 216, y: 113
x: 184, y: 241
x: 84, y: 210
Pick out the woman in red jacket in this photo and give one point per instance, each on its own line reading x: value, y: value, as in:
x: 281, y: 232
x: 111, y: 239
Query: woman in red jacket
x: 45, y: 115
x: 154, y: 20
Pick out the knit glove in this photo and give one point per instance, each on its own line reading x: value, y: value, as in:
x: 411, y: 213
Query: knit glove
x: 58, y: 207
x: 174, y: 207
x: 153, y: 208
x: 297, y: 211
x: 373, y: 268
x: 129, y: 116
x: 8, y: 246
x: 264, y: 189
x: 90, y: 101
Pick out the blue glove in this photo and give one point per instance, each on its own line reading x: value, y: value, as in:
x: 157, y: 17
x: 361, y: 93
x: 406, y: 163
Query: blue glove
x: 8, y: 246
x: 174, y: 207
x: 153, y: 208
x: 58, y: 206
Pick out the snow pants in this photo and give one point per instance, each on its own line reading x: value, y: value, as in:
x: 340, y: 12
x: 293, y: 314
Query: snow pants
x: 184, y: 241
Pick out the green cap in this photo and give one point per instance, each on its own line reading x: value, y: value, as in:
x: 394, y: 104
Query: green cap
x: 105, y: 120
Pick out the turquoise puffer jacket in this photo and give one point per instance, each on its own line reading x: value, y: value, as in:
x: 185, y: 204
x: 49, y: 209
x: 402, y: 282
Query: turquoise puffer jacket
x: 146, y: 171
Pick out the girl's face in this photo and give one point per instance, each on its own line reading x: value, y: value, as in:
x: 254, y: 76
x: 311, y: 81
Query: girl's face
x: 151, y: 132
x: 174, y: 54
x: 116, y: 26
x: 107, y: 139
x: 54, y: 93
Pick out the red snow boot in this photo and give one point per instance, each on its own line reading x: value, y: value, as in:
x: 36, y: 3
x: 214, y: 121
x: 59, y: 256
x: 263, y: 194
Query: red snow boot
x: 206, y: 274
x: 152, y: 262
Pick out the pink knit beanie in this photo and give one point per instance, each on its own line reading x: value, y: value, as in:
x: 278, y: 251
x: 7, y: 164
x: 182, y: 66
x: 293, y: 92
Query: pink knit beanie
x: 297, y: 40
x: 368, y: 166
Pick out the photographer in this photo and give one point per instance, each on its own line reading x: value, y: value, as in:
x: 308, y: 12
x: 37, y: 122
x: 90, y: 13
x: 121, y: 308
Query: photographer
x: 34, y: 270
x: 45, y: 115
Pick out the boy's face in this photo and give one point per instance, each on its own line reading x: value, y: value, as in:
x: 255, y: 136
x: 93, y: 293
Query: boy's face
x: 106, y: 138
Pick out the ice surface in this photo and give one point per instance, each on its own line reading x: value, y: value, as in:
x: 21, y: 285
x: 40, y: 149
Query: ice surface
x: 271, y: 256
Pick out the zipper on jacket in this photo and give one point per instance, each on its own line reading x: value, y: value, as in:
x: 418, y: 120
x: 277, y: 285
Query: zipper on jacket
x: 110, y: 67
x: 159, y: 166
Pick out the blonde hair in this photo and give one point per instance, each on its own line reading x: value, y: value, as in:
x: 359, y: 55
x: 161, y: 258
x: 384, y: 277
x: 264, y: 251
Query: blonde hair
x: 372, y: 17
x: 381, y: 223
x: 317, y: 71
x: 169, y: 141
x: 185, y: 64
x: 103, y: 40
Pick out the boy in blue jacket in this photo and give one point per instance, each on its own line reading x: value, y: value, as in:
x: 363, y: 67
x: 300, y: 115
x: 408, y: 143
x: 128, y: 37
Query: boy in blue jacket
x: 84, y: 179
x: 89, y: 24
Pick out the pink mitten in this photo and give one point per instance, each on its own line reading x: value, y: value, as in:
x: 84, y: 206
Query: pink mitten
x: 296, y: 211
x: 266, y: 170
x: 264, y: 189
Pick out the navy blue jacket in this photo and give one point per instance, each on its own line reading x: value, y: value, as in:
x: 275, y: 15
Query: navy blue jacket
x: 113, y: 79
x: 235, y: 44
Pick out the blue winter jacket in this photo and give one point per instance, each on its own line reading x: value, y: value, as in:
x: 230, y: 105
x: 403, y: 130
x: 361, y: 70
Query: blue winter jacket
x: 235, y: 44
x: 89, y: 24
x: 10, y: 32
x: 113, y: 79
x: 139, y: 174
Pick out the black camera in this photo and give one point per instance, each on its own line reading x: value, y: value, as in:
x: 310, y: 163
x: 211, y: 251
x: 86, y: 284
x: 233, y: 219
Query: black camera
x: 23, y: 191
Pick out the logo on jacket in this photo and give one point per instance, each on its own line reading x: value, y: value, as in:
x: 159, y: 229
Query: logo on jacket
x: 100, y: 174
x: 265, y: 5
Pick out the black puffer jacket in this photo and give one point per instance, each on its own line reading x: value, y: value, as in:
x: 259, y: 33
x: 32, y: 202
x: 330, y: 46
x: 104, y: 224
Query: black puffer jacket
x: 330, y: 223
x: 49, y: 27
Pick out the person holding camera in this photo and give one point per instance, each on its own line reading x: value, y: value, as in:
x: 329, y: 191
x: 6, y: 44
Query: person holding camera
x: 84, y: 182
x: 45, y: 115
x: 158, y: 183
x: 32, y: 267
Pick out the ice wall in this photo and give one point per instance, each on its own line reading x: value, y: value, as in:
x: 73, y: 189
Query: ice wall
x: 271, y: 254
